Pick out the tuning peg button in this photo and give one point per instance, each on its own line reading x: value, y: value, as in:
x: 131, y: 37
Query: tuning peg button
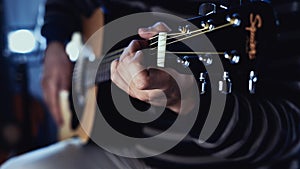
x: 184, y: 61
x: 252, y: 82
x: 205, y: 59
x: 225, y: 85
x: 184, y: 29
x: 208, y: 24
x: 202, y: 81
x: 234, y: 19
x: 232, y: 56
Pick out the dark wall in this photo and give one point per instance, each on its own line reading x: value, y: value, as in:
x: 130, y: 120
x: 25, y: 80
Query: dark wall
x: 1, y: 27
x: 5, y: 82
x: 288, y: 13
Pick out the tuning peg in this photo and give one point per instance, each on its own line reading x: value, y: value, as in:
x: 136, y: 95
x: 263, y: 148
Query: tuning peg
x: 207, y: 8
x: 225, y: 84
x: 234, y: 19
x: 252, y: 82
x: 184, y: 61
x: 208, y: 24
x: 206, y: 59
x: 184, y: 29
x: 232, y: 56
x: 202, y: 81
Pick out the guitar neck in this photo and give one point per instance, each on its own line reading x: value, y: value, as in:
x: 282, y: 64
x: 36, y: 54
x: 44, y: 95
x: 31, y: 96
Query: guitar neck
x: 236, y: 37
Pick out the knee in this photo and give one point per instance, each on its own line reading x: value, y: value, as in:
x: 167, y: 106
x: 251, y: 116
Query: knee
x: 20, y: 162
x: 11, y: 164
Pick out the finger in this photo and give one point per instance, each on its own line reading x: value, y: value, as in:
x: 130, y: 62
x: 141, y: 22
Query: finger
x: 117, y: 78
x: 51, y: 98
x: 145, y: 79
x: 151, y: 78
x: 149, y: 32
x: 136, y: 73
x: 120, y: 74
x: 122, y: 84
x: 130, y: 51
x: 157, y: 97
x: 154, y: 97
x: 128, y: 70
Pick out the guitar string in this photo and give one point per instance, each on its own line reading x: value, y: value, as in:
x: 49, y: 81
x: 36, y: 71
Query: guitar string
x: 171, y: 34
x: 216, y: 28
x: 198, y: 53
x: 179, y: 35
x: 109, y: 60
x: 115, y: 54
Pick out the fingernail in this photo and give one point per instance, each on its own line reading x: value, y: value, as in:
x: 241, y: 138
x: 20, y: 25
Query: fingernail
x: 139, y: 52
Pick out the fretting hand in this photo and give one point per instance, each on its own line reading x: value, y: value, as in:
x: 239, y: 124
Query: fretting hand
x: 151, y: 84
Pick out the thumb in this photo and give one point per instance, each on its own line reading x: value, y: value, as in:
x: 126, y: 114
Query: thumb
x: 151, y: 31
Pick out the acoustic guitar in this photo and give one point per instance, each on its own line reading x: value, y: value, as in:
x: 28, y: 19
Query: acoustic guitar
x: 241, y: 36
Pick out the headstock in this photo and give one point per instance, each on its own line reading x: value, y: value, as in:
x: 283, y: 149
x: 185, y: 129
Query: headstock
x: 240, y: 36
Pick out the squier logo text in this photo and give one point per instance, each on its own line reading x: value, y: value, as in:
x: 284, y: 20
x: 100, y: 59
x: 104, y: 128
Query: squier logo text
x: 255, y: 22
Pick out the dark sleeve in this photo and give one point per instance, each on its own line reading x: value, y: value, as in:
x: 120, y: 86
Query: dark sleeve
x: 63, y: 17
x: 263, y: 128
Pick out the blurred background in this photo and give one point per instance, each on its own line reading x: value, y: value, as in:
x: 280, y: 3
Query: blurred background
x: 25, y: 122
